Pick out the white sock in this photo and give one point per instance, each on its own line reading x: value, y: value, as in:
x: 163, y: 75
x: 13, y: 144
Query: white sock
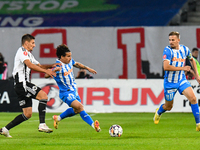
x: 59, y: 118
x: 92, y: 124
x: 4, y: 128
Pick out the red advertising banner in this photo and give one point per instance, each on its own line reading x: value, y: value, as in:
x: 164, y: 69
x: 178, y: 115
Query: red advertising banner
x: 116, y: 95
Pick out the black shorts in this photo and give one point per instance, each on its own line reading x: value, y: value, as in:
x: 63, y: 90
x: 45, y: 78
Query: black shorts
x: 25, y: 95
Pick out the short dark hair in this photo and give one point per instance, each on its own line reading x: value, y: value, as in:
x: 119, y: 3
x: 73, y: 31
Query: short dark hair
x: 61, y: 50
x: 27, y: 37
x: 175, y: 33
x: 195, y: 49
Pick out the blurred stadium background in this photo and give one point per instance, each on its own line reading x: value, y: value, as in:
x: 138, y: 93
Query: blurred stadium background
x: 122, y: 40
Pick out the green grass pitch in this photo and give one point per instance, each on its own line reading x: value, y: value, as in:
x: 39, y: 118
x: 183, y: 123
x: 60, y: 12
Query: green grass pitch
x: 176, y: 131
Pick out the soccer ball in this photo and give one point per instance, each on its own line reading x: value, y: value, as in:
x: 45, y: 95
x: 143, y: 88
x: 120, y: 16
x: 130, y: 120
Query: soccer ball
x: 115, y: 130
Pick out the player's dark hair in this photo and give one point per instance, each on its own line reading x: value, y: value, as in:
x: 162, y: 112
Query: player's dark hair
x: 61, y: 50
x: 195, y: 49
x: 27, y: 37
x: 175, y: 33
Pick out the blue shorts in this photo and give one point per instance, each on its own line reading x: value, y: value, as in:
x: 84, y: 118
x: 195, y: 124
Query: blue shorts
x: 69, y: 96
x: 170, y: 89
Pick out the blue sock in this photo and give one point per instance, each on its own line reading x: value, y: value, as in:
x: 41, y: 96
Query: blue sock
x: 67, y: 113
x: 161, y: 110
x: 86, y: 117
x: 195, y: 111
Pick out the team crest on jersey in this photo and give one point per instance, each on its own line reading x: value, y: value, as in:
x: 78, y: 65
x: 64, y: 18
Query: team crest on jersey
x: 52, y: 91
x: 25, y: 53
x: 164, y: 56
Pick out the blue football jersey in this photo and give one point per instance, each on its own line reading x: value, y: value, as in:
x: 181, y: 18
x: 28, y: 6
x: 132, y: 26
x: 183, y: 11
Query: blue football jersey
x: 65, y: 77
x: 176, y: 58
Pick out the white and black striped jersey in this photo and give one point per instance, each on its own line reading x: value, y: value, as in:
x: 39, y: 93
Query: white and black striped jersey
x: 21, y: 72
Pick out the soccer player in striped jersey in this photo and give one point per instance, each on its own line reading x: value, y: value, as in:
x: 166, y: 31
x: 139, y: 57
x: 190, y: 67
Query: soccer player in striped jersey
x: 25, y: 90
x: 174, y: 57
x: 67, y: 87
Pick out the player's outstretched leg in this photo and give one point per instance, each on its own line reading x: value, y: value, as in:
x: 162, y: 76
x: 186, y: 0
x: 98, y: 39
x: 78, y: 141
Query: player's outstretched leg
x: 5, y: 132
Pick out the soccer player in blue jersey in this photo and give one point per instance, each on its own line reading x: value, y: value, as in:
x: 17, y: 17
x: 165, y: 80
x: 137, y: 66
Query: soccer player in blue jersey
x: 67, y: 87
x: 174, y: 57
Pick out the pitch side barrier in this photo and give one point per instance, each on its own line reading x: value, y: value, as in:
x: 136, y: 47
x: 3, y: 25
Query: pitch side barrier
x: 8, y: 97
x: 102, y: 95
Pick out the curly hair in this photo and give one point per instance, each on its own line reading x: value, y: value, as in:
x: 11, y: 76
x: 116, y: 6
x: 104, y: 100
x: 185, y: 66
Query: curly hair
x: 61, y: 50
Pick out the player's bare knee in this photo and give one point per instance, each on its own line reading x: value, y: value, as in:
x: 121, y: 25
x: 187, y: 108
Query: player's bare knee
x: 44, y: 96
x: 41, y: 95
x: 75, y: 111
x: 169, y: 107
x: 28, y: 115
x: 79, y: 108
x: 193, y: 100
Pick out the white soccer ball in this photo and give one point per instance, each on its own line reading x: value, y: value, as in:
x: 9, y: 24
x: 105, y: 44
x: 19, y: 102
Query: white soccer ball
x: 115, y: 130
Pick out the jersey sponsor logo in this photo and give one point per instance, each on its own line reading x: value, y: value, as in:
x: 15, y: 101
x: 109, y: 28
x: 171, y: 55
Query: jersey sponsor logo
x: 164, y: 56
x: 178, y: 59
x: 68, y: 72
x: 25, y: 53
